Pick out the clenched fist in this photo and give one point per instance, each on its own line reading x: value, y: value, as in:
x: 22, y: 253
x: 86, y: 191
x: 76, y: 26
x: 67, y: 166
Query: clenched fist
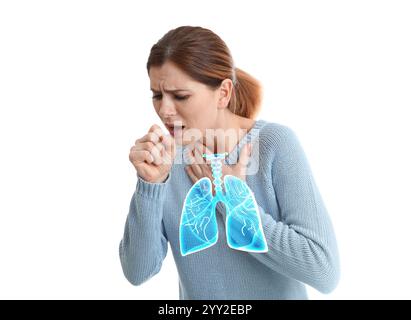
x: 153, y: 155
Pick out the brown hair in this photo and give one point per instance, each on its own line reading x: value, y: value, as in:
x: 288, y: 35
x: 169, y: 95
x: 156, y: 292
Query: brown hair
x: 205, y: 57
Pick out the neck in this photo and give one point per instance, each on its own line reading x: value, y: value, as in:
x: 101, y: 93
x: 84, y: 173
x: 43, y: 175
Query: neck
x: 228, y: 131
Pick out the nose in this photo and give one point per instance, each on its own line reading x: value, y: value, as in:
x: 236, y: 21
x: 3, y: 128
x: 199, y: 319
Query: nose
x: 167, y: 108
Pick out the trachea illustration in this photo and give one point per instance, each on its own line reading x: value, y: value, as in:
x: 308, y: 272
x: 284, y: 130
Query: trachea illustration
x: 198, y: 224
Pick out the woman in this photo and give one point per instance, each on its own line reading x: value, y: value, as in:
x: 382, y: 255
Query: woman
x: 196, y: 87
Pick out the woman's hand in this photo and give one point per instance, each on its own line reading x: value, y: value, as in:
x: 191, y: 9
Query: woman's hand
x: 153, y: 155
x: 200, y: 167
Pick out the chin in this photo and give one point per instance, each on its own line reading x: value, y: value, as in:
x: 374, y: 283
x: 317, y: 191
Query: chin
x: 188, y: 136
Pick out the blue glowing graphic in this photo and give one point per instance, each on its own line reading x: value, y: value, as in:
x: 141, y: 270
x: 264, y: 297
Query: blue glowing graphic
x: 198, y: 225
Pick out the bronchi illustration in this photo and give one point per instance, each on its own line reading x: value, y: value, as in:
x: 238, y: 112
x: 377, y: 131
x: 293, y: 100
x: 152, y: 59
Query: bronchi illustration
x: 198, y: 224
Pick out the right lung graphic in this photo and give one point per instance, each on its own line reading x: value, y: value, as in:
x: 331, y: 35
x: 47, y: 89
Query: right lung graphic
x: 198, y: 225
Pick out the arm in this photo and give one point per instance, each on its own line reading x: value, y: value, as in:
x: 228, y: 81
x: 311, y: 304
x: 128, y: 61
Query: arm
x: 302, y: 245
x: 144, y: 244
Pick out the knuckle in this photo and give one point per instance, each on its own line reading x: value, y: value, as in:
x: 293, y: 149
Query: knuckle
x: 159, y: 147
x: 148, y: 145
x: 154, y: 150
x: 154, y: 127
x: 156, y: 138
x: 152, y: 136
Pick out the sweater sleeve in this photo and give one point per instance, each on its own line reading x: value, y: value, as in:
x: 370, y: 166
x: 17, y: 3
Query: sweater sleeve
x: 144, y: 244
x: 302, y: 244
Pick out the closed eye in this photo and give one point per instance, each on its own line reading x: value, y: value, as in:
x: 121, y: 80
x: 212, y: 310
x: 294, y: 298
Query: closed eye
x: 181, y: 97
x: 159, y: 96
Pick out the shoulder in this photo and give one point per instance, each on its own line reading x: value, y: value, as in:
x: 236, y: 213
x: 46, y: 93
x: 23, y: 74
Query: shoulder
x: 275, y: 131
x: 274, y: 137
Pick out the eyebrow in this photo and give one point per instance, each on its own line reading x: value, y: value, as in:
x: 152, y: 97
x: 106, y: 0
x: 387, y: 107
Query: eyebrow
x: 170, y: 91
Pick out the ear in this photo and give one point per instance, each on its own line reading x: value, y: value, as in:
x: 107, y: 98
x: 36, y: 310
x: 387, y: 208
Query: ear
x: 224, y: 93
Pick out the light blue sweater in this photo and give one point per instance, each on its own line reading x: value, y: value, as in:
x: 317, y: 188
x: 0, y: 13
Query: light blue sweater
x: 300, y: 237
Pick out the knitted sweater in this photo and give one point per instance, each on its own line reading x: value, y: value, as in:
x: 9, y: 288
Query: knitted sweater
x: 302, y: 247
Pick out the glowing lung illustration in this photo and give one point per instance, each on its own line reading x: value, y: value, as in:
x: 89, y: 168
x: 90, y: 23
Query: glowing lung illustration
x: 198, y: 224
x: 243, y: 223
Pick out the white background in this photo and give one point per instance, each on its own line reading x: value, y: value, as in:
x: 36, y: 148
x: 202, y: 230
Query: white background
x: 74, y: 96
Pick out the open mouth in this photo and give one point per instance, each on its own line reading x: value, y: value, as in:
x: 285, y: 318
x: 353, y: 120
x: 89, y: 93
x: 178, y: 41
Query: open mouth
x: 175, y: 129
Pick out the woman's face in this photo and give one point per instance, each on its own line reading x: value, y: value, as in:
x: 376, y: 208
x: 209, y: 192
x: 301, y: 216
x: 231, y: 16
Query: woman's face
x: 186, y: 107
